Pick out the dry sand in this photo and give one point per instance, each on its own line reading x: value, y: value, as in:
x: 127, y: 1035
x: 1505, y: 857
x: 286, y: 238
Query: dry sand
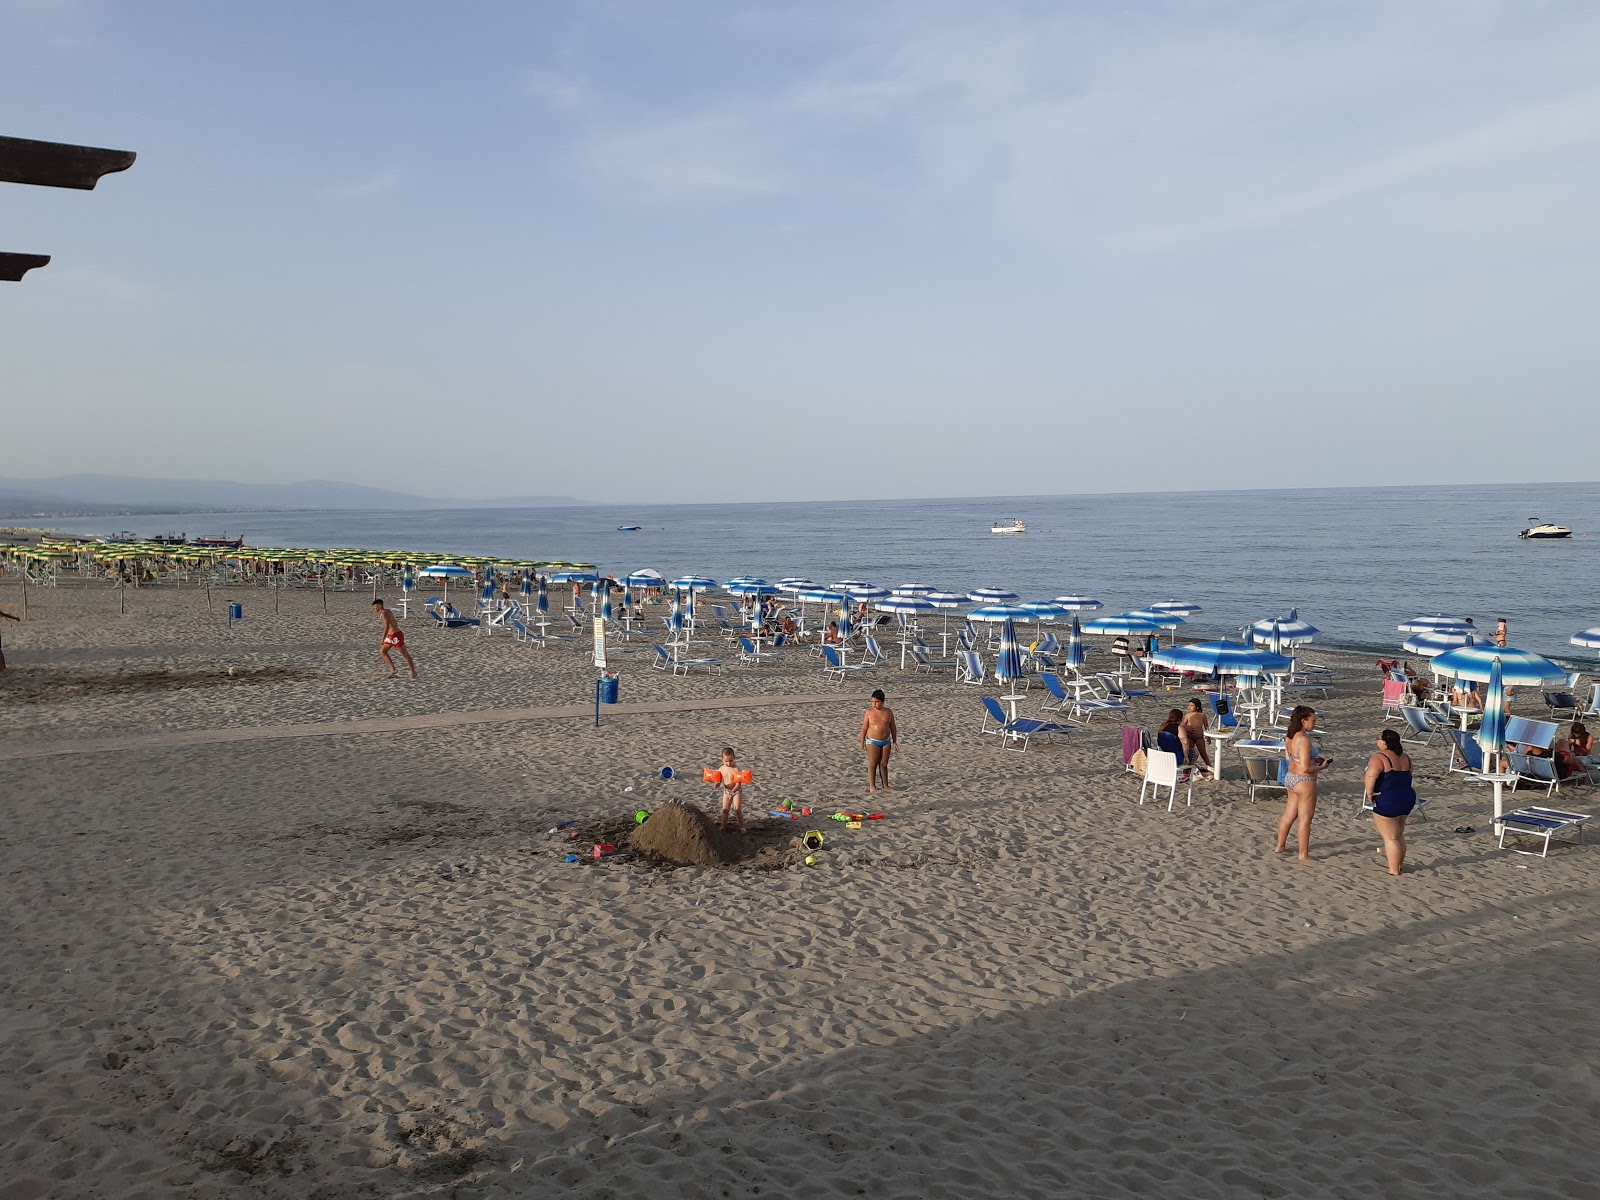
x: 349, y: 960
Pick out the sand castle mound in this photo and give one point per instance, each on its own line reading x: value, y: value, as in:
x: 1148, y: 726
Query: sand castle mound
x: 680, y: 834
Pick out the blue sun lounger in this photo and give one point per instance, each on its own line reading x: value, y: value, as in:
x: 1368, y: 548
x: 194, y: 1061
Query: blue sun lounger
x: 1537, y: 822
x: 1017, y: 730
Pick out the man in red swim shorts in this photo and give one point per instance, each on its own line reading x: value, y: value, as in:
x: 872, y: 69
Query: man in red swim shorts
x: 393, y: 637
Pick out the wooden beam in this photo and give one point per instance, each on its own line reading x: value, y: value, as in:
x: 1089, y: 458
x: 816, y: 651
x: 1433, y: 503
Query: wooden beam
x: 57, y: 164
x: 14, y: 266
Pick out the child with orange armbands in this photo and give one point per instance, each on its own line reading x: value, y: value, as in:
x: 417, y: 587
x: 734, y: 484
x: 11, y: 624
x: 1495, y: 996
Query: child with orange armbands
x: 731, y: 780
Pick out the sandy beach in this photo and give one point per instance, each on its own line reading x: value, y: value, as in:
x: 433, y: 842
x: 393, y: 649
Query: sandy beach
x: 302, y: 931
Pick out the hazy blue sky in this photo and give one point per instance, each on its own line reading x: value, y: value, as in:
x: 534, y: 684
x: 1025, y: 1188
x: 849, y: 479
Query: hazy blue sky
x: 730, y: 250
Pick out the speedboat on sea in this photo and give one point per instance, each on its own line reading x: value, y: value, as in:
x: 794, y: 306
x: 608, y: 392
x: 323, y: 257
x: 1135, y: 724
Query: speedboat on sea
x: 1008, y: 525
x: 1545, y: 531
x: 628, y: 528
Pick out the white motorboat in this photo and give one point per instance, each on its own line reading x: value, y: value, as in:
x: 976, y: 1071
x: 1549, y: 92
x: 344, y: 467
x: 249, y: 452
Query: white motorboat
x: 1008, y: 525
x: 1545, y: 531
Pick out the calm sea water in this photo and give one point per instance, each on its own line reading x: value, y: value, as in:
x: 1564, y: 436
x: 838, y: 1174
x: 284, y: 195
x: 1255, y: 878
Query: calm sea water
x: 1355, y: 561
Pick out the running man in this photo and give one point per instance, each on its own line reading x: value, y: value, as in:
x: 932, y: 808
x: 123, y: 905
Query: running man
x: 878, y: 738
x: 393, y: 637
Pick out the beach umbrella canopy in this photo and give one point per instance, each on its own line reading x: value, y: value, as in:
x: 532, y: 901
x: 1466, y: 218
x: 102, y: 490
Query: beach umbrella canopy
x: 408, y: 582
x: 526, y: 587
x: 844, y: 621
x: 905, y: 606
x: 1166, y: 620
x: 750, y: 587
x: 1045, y: 610
x: 913, y: 589
x: 604, y: 603
x: 645, y: 578
x: 693, y: 583
x: 947, y: 599
x: 675, y: 614
x: 991, y: 595
x: 998, y: 613
x: 1079, y: 603
x: 1492, y: 730
x: 1589, y: 639
x: 867, y: 591
x: 1437, y: 623
x: 1123, y: 624
x: 1008, y: 663
x: 795, y: 583
x: 445, y: 571
x: 1075, y: 656
x: 1291, y: 629
x: 1224, y: 657
x: 1182, y: 608
x: 1431, y: 644
x: 844, y: 585
x: 1517, y: 668
x: 541, y: 601
x: 573, y: 575
x: 818, y: 595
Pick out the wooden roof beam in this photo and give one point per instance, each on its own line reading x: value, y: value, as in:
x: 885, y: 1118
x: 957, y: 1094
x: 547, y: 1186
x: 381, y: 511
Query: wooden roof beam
x: 57, y: 164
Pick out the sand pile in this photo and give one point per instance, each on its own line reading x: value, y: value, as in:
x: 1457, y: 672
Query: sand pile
x: 683, y: 835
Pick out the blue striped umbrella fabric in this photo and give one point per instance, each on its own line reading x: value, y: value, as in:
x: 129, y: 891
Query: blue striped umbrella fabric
x: 947, y: 599
x: 1430, y: 644
x: 996, y: 613
x: 1121, y: 625
x: 1166, y: 620
x: 1492, y: 732
x: 675, y: 613
x: 906, y: 606
x: 408, y: 581
x: 1045, y: 610
x: 573, y: 575
x: 487, y: 593
x: 1275, y: 639
x: 844, y: 585
x: 645, y: 578
x: 1225, y: 658
x: 445, y: 571
x: 605, y: 600
x: 526, y: 587
x: 991, y: 595
x: 1075, y: 656
x: 541, y: 601
x: 819, y: 596
x: 1079, y: 603
x: 1437, y: 623
x: 1008, y: 663
x: 913, y: 589
x: 1589, y: 639
x: 1291, y: 629
x: 1518, y: 668
x: 693, y: 583
x: 688, y: 607
x: 795, y: 583
x: 844, y: 622
x: 1182, y: 608
x: 867, y: 591
x: 749, y: 587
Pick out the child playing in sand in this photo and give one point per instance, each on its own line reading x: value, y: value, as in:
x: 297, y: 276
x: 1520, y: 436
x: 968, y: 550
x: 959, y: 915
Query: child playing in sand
x: 732, y: 790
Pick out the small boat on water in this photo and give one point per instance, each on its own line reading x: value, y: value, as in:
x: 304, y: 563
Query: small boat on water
x: 629, y: 528
x: 224, y: 542
x: 1545, y: 530
x: 1008, y: 525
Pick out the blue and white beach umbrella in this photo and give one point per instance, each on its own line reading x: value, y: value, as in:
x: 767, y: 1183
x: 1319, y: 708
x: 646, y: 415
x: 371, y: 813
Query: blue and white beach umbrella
x: 1589, y: 639
x: 645, y: 577
x: 844, y: 622
x: 605, y: 599
x: 408, y: 581
x: 525, y: 589
x: 1437, y: 623
x: 1492, y: 731
x: 947, y: 600
x: 445, y: 572
x: 991, y: 595
x: 541, y: 601
x: 688, y: 607
x: 1182, y: 608
x: 1166, y: 620
x: 1431, y: 644
x: 996, y: 613
x: 1075, y: 655
x: 573, y: 575
x: 1045, y: 610
x: 488, y: 587
x: 1122, y: 625
x: 693, y: 583
x: 1008, y: 663
x: 675, y: 613
x: 844, y: 585
x: 1223, y: 657
x: 1079, y: 603
x: 868, y: 592
x: 906, y: 606
x: 1291, y: 629
x: 913, y: 589
x: 795, y: 583
x: 1517, y: 668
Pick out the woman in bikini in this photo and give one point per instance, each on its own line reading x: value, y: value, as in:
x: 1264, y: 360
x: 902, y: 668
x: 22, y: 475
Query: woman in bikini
x: 1193, y: 733
x: 1301, y: 779
x: 1389, y: 791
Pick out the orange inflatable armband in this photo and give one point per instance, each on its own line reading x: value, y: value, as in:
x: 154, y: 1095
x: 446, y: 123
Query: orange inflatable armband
x: 712, y: 775
x: 746, y: 777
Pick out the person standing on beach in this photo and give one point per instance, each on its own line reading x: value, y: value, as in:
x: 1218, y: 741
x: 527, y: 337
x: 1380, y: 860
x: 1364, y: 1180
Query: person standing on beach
x: 6, y: 616
x: 393, y: 637
x: 1301, y: 780
x: 879, y: 737
x: 1500, y: 633
x: 731, y: 780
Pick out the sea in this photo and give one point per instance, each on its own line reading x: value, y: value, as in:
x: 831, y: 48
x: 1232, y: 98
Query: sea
x: 1355, y: 562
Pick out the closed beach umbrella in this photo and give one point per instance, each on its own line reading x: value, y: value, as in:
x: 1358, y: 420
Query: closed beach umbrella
x: 408, y: 581
x: 1008, y: 663
x: 526, y: 587
x: 1437, y: 623
x: 675, y: 614
x: 688, y: 607
x: 1182, y: 608
x: 1492, y: 731
x: 1079, y: 603
x: 605, y: 598
x: 1075, y: 656
x: 1431, y: 644
x: 541, y: 600
x: 991, y: 595
x: 844, y: 621
x: 1518, y: 668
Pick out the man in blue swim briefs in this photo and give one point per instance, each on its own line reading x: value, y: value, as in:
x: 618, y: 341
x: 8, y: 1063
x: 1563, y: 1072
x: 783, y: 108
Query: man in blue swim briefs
x: 878, y: 738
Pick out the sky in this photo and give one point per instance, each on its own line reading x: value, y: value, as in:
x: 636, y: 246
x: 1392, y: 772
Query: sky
x: 648, y: 251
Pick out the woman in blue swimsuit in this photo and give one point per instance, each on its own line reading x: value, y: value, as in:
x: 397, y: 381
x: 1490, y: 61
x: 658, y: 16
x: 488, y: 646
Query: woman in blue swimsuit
x: 1389, y: 790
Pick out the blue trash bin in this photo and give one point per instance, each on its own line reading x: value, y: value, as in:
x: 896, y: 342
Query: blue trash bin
x: 610, y: 686
x: 235, y: 612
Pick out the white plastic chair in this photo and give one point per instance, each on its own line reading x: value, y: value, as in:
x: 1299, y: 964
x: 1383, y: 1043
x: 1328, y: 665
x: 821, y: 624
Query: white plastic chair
x: 1161, y: 771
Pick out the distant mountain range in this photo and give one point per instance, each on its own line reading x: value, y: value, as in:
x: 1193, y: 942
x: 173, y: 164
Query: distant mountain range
x: 106, y: 495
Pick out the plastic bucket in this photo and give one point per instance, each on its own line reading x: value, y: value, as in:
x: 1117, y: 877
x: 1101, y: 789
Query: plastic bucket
x: 610, y: 687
